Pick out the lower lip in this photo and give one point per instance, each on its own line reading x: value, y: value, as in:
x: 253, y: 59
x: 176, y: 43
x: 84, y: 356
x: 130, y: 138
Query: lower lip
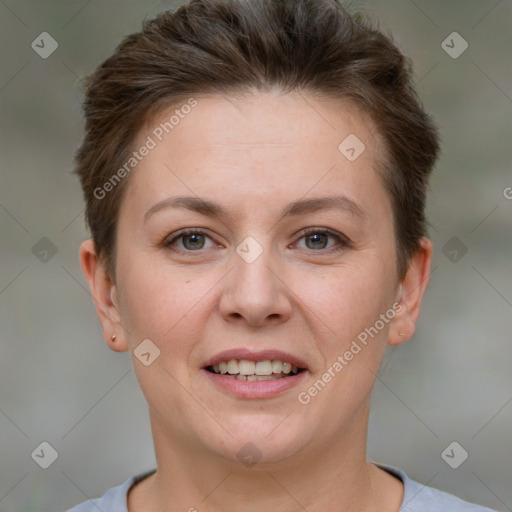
x: 255, y: 388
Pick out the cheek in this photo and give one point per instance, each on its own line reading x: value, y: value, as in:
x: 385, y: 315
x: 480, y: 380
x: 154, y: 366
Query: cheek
x: 156, y: 300
x: 347, y: 298
x: 348, y: 302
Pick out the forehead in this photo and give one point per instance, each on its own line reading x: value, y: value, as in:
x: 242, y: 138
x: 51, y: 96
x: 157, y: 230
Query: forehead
x: 249, y: 120
x: 265, y: 146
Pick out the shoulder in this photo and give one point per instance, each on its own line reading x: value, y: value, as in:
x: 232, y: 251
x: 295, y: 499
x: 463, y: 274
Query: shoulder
x: 114, y: 500
x: 420, y: 498
x: 417, y: 497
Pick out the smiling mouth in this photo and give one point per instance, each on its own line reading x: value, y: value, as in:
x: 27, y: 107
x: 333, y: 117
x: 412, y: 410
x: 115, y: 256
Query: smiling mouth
x: 243, y: 369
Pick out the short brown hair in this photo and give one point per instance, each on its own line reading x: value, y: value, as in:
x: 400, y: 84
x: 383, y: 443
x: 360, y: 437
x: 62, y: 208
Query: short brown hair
x: 237, y: 46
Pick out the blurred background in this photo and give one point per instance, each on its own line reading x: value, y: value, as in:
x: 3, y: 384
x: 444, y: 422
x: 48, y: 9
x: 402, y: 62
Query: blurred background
x: 60, y: 384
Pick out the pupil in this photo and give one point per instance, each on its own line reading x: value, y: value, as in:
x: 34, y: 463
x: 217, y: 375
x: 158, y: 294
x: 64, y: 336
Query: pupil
x: 193, y: 241
x: 318, y: 239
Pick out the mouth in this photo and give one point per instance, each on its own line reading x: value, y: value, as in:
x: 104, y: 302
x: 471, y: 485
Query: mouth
x: 247, y: 370
x: 248, y: 374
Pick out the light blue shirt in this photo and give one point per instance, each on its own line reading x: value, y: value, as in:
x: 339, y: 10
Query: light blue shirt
x: 417, y: 497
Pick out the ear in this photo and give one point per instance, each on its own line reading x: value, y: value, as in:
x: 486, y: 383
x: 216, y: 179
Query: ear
x: 410, y: 294
x: 104, y: 294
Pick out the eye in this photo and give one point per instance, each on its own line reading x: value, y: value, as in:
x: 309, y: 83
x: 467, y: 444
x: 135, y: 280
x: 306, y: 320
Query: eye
x: 318, y: 239
x: 189, y: 240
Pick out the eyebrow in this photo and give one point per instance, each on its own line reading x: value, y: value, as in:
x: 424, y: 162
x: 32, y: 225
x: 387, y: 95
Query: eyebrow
x: 300, y: 207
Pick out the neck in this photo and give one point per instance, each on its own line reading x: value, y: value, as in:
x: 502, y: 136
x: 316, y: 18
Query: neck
x: 323, y: 476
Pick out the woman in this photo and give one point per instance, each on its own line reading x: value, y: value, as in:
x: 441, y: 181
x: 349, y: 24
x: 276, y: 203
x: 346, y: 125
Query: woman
x: 255, y: 177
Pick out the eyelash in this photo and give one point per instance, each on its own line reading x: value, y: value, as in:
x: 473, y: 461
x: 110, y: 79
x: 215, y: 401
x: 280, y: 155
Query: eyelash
x: 343, y: 243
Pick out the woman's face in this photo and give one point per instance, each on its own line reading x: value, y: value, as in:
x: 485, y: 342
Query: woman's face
x: 292, y: 250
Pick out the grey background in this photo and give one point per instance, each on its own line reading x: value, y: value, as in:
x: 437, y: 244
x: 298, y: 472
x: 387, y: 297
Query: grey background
x: 58, y: 381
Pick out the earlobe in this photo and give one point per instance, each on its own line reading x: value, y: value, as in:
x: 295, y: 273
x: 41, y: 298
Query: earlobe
x: 104, y: 294
x: 411, y: 292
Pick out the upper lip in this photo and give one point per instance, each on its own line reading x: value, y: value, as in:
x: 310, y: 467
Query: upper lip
x: 255, y: 355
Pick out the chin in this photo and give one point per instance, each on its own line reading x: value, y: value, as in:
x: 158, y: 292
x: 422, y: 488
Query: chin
x: 263, y: 440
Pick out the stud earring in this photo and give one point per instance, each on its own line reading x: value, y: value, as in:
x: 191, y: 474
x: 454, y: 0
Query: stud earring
x: 113, y: 337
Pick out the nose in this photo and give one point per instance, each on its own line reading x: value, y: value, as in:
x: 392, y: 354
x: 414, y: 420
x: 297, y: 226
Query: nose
x: 256, y: 294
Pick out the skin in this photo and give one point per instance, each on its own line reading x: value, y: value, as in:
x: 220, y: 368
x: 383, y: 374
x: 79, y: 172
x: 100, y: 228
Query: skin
x: 255, y: 155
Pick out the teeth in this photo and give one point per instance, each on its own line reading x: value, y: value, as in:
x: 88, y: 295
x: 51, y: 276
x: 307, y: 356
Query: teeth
x: 277, y: 366
x: 244, y: 369
x: 233, y: 367
x: 257, y: 377
x: 263, y: 368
